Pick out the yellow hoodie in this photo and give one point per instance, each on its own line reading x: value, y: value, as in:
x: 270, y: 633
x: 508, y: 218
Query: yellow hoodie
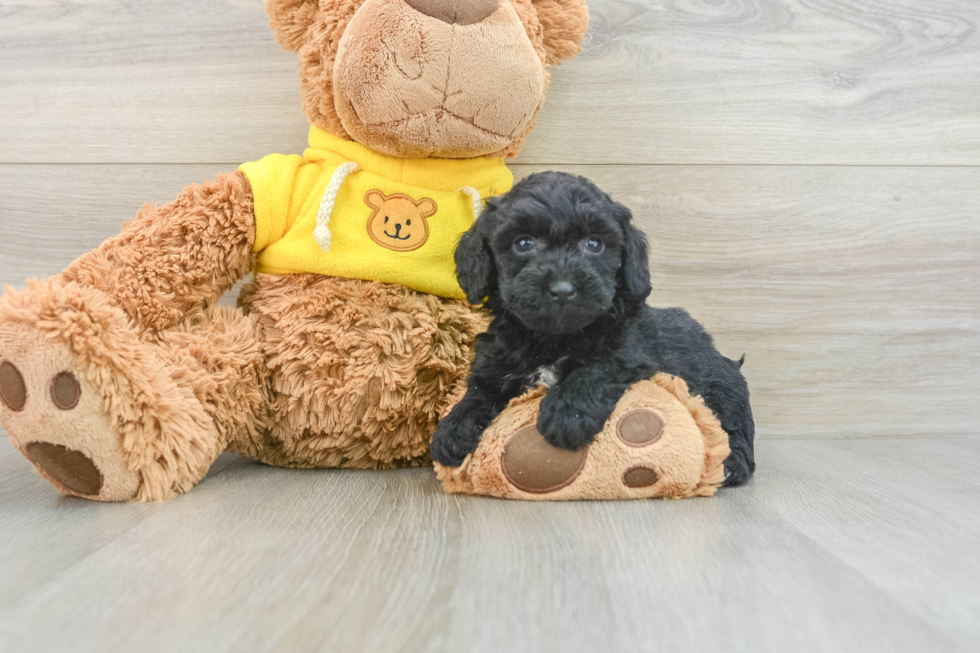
x: 344, y: 210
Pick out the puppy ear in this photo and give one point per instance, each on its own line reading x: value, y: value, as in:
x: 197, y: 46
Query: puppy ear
x: 475, y: 268
x: 634, y: 270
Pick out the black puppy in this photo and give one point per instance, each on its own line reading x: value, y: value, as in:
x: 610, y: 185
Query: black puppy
x: 565, y: 276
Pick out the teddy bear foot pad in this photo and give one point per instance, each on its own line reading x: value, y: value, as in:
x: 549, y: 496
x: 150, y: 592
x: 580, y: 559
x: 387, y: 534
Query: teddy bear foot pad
x: 660, y: 442
x: 55, y: 418
x: 98, y: 410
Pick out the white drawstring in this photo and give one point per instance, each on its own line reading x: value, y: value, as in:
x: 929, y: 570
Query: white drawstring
x: 474, y: 195
x: 322, y: 233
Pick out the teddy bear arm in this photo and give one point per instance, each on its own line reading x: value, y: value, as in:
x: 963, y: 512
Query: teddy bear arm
x: 175, y: 258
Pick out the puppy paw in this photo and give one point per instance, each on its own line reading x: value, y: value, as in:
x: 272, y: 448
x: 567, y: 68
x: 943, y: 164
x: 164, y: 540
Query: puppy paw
x: 455, y: 439
x: 565, y: 425
x: 738, y: 468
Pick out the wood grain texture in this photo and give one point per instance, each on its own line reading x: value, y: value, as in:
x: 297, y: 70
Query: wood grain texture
x: 832, y: 547
x: 853, y: 286
x: 876, y: 487
x: 853, y: 292
x: 660, y: 81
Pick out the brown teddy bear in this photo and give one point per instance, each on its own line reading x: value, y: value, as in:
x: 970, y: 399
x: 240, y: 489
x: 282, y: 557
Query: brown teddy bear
x: 121, y: 379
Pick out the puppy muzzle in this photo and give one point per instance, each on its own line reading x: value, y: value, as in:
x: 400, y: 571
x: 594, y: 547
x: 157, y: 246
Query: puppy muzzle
x: 556, y: 298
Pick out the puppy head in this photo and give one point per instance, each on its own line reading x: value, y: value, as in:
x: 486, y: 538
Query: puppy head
x: 556, y: 252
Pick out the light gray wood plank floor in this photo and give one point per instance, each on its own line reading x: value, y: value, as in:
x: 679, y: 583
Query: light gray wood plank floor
x: 832, y: 547
x: 808, y: 172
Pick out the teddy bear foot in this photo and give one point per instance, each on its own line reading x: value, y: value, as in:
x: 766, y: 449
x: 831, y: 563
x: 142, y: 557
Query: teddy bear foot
x: 88, y: 403
x: 53, y: 415
x: 660, y: 442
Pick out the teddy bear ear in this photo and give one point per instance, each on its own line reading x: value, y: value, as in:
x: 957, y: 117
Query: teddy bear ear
x: 565, y: 23
x: 291, y: 19
x: 374, y: 199
x: 427, y: 208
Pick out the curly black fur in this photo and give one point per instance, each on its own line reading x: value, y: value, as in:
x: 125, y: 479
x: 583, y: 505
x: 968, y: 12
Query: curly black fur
x: 566, y: 277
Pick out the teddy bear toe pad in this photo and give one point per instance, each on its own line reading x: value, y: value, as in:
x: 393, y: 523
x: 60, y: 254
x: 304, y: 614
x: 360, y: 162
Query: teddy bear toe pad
x: 70, y: 469
x: 532, y: 465
x: 640, y: 428
x: 13, y: 390
x: 639, y: 477
x: 659, y: 443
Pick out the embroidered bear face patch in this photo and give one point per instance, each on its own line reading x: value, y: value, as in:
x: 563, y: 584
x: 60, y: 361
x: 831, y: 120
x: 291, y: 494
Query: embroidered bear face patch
x: 398, y: 222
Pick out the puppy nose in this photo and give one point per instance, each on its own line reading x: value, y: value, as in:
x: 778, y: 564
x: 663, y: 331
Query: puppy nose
x: 455, y: 12
x: 562, y: 291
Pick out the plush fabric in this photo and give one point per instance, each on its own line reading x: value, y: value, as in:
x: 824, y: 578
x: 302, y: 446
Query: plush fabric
x: 414, y: 85
x: 454, y: 12
x: 175, y: 258
x: 562, y: 24
x: 120, y: 379
x: 314, y: 29
x: 147, y: 434
x: 681, y: 456
x: 411, y: 243
x: 282, y: 384
x: 361, y: 370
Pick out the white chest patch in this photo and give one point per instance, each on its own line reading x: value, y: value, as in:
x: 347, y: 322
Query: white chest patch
x: 546, y: 376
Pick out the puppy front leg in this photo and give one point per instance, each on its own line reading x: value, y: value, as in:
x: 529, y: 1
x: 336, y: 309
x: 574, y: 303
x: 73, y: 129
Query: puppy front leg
x: 578, y: 407
x: 458, y: 435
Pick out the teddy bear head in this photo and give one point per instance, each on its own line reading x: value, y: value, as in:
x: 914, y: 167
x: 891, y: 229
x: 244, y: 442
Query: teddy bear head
x: 420, y: 78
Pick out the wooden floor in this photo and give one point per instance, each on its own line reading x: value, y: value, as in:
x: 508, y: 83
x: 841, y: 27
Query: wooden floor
x: 808, y: 172
x: 845, y: 545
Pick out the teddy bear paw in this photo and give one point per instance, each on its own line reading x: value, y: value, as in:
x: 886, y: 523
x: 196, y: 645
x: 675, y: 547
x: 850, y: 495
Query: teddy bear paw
x: 659, y: 442
x: 53, y: 415
x: 96, y: 410
x: 532, y: 464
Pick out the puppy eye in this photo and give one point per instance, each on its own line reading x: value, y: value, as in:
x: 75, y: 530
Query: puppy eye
x: 386, y: 219
x: 523, y: 245
x: 593, y: 246
x: 408, y: 223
